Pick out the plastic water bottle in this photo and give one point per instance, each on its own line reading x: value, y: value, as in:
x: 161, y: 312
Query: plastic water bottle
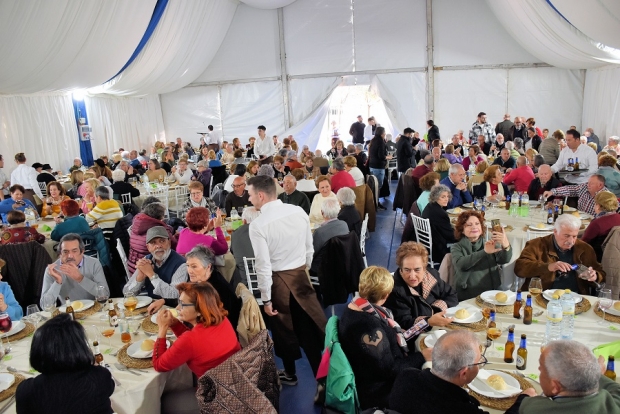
x: 525, y: 205
x: 554, y: 319
x: 568, y: 315
x: 233, y: 214
x: 514, y: 205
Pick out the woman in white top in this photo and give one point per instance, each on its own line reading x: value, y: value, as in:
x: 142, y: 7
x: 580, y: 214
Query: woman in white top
x: 350, y: 165
x: 182, y: 174
x: 325, y: 193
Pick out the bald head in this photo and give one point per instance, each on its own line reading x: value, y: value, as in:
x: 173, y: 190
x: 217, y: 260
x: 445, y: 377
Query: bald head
x: 453, y: 356
x: 289, y: 184
x: 521, y: 161
x: 544, y: 174
x: 239, y: 185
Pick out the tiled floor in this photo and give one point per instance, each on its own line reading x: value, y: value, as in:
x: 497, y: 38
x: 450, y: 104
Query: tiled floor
x: 380, y: 251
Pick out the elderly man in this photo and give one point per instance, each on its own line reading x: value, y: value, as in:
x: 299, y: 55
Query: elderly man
x: 505, y: 160
x: 550, y: 147
x: 240, y: 244
x: 292, y: 196
x: 319, y: 161
x: 456, y: 362
x: 73, y: 275
x: 485, y: 147
x: 550, y: 258
x: 505, y: 126
x: 521, y: 177
x: 436, y: 152
x: 510, y: 146
x: 228, y: 156
x: 283, y: 249
x: 592, y: 137
x: 331, y: 227
x: 239, y: 197
x: 500, y: 144
x: 546, y: 181
x: 291, y: 161
x: 455, y: 181
x: 571, y: 381
x: 106, y: 212
x: 576, y: 150
x: 340, y: 177
x: 585, y: 192
x: 421, y: 170
x: 518, y: 130
x: 77, y: 164
x: 482, y: 127
x: 161, y: 270
x: 134, y: 161
x: 130, y: 172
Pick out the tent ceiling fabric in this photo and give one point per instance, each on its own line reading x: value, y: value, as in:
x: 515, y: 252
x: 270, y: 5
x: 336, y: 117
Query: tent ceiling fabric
x: 545, y: 34
x: 267, y: 4
x: 187, y: 37
x: 47, y: 45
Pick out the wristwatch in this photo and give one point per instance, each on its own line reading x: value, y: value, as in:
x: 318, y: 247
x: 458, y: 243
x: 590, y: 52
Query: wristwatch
x: 155, y: 276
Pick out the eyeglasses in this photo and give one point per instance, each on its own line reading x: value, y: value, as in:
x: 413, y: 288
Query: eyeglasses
x: 186, y: 304
x: 484, y: 361
x: 195, y: 194
x: 238, y: 185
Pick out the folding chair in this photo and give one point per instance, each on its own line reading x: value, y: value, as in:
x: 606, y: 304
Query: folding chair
x: 423, y: 235
x: 181, y: 194
x: 252, y: 278
x: 363, y: 236
x: 123, y: 256
x: 43, y: 188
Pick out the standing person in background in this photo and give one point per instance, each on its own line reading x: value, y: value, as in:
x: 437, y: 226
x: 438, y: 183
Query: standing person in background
x: 370, y: 130
x: 357, y: 130
x: 482, y: 127
x: 377, y: 157
x: 550, y: 148
x: 404, y: 151
x: 505, y: 126
x: 575, y: 149
x: 213, y: 139
x: 263, y: 148
x: 433, y: 130
x: 4, y: 181
x: 26, y: 177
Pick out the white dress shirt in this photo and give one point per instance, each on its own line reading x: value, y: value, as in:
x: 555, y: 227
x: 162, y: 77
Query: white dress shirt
x: 27, y: 177
x: 264, y: 147
x: 282, y: 240
x: 357, y: 175
x: 587, y: 159
x: 213, y: 137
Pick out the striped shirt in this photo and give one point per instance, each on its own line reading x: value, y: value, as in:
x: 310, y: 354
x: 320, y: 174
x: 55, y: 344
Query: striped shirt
x: 586, y: 200
x: 105, y: 214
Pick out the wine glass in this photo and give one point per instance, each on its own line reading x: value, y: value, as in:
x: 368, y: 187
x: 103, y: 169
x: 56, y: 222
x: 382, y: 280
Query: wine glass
x: 5, y: 326
x: 102, y: 294
x: 604, y: 303
x: 33, y: 314
x: 108, y: 332
x: 48, y: 302
x: 535, y: 289
x: 486, y: 311
x: 130, y: 302
x: 494, y: 331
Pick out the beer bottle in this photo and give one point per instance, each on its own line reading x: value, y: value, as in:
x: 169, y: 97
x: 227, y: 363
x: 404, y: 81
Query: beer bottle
x: 522, y: 354
x: 556, y: 213
x: 112, y: 315
x: 527, y: 311
x: 510, y: 346
x: 516, y: 313
x: 69, y: 308
x: 549, y: 216
x: 576, y: 165
x: 610, y: 373
x: 98, y: 356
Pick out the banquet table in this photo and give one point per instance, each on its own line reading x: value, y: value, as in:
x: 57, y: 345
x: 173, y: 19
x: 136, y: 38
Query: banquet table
x: 136, y: 394
x: 517, y: 234
x: 587, y: 331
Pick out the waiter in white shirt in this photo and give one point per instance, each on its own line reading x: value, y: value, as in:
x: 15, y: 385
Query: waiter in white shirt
x: 283, y: 249
x: 576, y: 150
x: 264, y: 148
x: 26, y: 176
x: 369, y: 131
x: 212, y: 139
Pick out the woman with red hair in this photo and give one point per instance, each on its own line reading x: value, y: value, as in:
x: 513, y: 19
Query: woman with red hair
x: 198, y: 225
x: 72, y: 223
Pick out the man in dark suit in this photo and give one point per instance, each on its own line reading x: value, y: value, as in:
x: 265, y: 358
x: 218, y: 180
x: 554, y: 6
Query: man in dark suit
x: 357, y: 130
x: 404, y: 150
x: 433, y: 130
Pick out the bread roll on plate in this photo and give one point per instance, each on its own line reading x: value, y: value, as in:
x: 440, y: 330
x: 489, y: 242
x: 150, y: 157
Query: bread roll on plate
x: 496, y: 382
x: 462, y: 314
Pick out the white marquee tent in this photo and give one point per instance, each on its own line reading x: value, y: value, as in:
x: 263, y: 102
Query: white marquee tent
x: 238, y: 64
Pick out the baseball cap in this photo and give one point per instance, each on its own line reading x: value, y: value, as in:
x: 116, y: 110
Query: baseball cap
x: 157, y: 231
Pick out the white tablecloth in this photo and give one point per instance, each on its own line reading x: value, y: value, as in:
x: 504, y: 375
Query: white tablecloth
x: 587, y: 331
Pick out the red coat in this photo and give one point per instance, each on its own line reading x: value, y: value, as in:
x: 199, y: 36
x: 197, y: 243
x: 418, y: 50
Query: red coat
x: 342, y: 179
x: 200, y: 348
x: 137, y: 241
x: 521, y: 177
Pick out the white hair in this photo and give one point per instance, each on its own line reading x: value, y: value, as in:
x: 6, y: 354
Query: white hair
x: 330, y: 208
x: 125, y: 154
x: 455, y: 168
x: 346, y: 196
x: 583, y: 139
x: 449, y: 358
x: 250, y: 214
x: 573, y: 365
x: 568, y: 221
x: 614, y: 139
x: 510, y: 145
x: 118, y: 175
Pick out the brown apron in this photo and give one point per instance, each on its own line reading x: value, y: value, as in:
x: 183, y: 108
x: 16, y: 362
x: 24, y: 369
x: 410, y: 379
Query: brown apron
x: 265, y: 161
x: 214, y: 147
x: 286, y: 283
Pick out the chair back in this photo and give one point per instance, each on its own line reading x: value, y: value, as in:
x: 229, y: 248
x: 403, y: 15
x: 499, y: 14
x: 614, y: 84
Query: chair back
x: 123, y: 256
x: 423, y: 234
x: 363, y: 236
x: 126, y: 198
x: 252, y: 277
x: 415, y: 209
x: 43, y: 188
x: 162, y: 193
x: 446, y: 270
x: 181, y: 195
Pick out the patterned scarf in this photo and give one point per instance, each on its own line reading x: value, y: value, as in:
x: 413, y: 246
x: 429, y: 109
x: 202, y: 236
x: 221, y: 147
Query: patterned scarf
x: 380, y: 312
x: 427, y: 285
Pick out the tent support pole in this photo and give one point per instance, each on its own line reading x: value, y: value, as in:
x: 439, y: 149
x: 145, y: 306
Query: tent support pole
x: 430, y: 69
x: 284, y: 75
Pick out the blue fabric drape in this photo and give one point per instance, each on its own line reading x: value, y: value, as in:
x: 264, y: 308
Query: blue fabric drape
x: 160, y: 6
x: 558, y: 12
x: 86, y: 150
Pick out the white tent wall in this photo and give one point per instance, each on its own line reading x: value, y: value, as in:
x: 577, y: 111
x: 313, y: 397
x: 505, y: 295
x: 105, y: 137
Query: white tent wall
x: 122, y: 122
x: 601, y: 102
x: 43, y: 127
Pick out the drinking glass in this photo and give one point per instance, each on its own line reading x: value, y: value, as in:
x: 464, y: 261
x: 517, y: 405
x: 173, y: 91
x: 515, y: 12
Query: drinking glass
x: 5, y: 326
x: 33, y: 314
x: 102, y: 294
x: 108, y: 332
x: 486, y: 311
x: 493, y: 333
x: 48, y: 302
x: 604, y: 303
x: 130, y: 302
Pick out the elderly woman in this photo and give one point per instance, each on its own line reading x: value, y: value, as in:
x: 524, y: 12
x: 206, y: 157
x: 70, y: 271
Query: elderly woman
x: 182, y: 174
x: 197, y: 198
x: 18, y: 232
x: 419, y: 293
x: 331, y: 227
x: 449, y: 155
x: 279, y: 169
x: 310, y: 170
x: 427, y: 182
x: 606, y: 165
x: 55, y: 196
x: 606, y: 218
x: 373, y: 341
x: 72, y: 222
x: 267, y: 170
x: 15, y: 202
x: 348, y: 212
x: 155, y: 172
x: 199, y: 223
x: 305, y: 153
x: 338, y: 150
x: 441, y: 228
x: 473, y: 157
x: 324, y: 185
x: 303, y: 184
x: 60, y: 351
x: 493, y: 188
x: 476, y: 262
x: 350, y: 166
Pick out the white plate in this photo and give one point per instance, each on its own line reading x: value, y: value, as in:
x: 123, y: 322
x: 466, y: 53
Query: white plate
x: 584, y: 216
x: 134, y: 350
x: 142, y: 302
x: 468, y: 205
x: 489, y: 296
x: 548, y: 294
x: 480, y: 385
x: 17, y: 327
x: 6, y: 380
x: 476, y: 314
x: 570, y: 209
x: 154, y: 317
x: 431, y: 339
x: 86, y: 302
x: 612, y: 310
x: 455, y: 211
x: 547, y: 227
